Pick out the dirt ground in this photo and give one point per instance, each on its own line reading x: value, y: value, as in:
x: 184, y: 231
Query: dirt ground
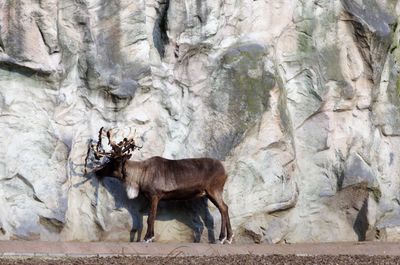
x: 209, y: 260
x: 85, y: 253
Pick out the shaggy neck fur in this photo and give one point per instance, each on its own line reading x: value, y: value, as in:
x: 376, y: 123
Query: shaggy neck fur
x: 132, y: 178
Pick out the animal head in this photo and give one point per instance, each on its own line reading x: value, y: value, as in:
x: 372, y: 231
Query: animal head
x: 112, y: 162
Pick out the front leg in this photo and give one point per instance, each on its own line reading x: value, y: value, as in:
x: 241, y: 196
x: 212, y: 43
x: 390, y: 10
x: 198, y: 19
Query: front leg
x: 149, y: 237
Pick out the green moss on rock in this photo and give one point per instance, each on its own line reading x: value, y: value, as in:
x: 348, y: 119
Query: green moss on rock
x: 398, y: 86
x: 242, y: 88
x: 246, y: 82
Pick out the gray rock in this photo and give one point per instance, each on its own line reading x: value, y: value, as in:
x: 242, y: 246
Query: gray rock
x: 356, y: 171
x: 300, y: 99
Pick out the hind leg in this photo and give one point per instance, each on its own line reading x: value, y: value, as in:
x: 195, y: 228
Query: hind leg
x: 229, y: 235
x: 228, y: 228
x: 216, y: 199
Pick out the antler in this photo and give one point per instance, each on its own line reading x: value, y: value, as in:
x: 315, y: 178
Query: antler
x: 119, y: 150
x: 98, y: 149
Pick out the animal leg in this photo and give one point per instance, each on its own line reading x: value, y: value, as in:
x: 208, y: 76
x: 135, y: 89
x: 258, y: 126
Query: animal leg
x: 149, y: 240
x: 230, y: 239
x: 149, y: 237
x: 216, y: 199
x: 228, y: 227
x: 230, y: 235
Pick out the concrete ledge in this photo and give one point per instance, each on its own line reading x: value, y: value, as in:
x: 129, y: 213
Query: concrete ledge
x: 102, y: 249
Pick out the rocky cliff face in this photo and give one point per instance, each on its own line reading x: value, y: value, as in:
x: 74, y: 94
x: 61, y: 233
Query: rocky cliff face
x: 300, y: 99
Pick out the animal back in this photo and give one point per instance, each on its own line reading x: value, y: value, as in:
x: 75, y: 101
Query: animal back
x: 187, y: 174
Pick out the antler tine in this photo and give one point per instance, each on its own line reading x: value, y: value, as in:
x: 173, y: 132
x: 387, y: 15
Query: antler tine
x: 130, y: 146
x: 98, y: 148
x: 99, y: 145
x: 109, y: 136
x: 124, y: 147
x: 134, y: 146
x: 116, y: 148
x: 119, y: 150
x: 110, y: 142
x: 127, y: 145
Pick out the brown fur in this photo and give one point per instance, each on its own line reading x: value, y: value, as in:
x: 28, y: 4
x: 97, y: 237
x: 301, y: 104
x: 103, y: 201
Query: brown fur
x: 163, y: 179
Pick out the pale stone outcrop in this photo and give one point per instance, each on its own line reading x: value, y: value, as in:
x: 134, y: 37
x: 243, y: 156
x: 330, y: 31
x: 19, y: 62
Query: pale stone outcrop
x: 300, y: 99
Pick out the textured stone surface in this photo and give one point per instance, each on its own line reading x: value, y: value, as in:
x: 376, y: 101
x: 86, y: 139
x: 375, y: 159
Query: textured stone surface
x: 300, y: 99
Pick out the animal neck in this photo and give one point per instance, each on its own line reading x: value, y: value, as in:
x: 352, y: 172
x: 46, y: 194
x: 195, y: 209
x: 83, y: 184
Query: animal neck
x: 133, y: 172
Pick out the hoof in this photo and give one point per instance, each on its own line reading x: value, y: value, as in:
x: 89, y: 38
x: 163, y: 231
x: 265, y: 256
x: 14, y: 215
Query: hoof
x: 229, y: 241
x: 149, y: 240
x: 221, y: 241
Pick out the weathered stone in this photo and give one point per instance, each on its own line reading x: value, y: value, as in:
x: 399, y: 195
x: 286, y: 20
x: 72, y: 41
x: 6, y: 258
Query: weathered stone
x: 356, y: 171
x: 299, y: 98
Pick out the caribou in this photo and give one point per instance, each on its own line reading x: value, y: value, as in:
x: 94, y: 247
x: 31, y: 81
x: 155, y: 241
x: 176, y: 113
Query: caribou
x: 159, y: 178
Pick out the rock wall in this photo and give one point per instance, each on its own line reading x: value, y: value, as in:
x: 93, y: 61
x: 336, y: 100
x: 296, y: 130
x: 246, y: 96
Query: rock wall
x: 300, y: 99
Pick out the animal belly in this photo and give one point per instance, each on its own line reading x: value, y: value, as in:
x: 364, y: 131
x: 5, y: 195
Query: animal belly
x: 132, y: 192
x: 183, y: 194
